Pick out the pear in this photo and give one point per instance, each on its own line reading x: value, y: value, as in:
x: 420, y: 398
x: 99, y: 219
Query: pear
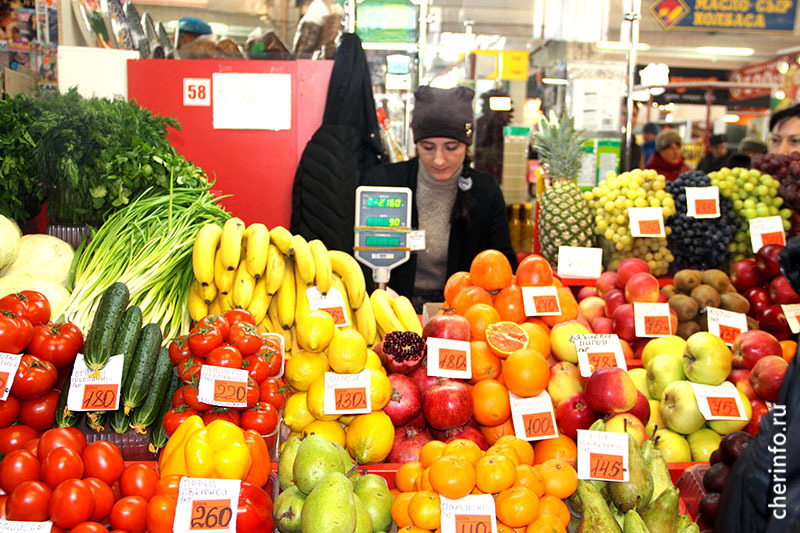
x: 288, y: 509
x: 596, y: 516
x: 377, y: 499
x: 661, y: 516
x: 638, y: 490
x: 659, y: 471
x: 316, y: 458
x: 331, y: 506
x: 363, y: 520
x: 634, y: 523
x: 286, y: 462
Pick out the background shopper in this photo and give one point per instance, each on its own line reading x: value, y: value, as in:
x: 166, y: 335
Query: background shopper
x: 784, y: 131
x: 668, y: 159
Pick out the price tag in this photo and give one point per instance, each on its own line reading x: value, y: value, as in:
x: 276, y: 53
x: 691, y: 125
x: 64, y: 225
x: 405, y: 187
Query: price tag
x: 702, y: 202
x: 449, y: 358
x: 602, y: 456
x: 208, y: 505
x: 99, y: 393
x: 792, y: 314
x: 720, y: 402
x: 9, y: 364
x: 646, y: 221
x: 197, y: 92
x: 726, y: 325
x: 598, y: 351
x: 541, y: 301
x: 579, y: 262
x: 416, y: 240
x: 14, y: 526
x: 222, y: 386
x: 533, y: 418
x: 766, y: 230
x: 652, y: 320
x: 347, y: 394
x: 471, y: 514
x: 274, y: 343
x: 332, y: 303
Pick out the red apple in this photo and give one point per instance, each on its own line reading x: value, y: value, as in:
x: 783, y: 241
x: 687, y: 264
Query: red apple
x: 767, y: 260
x: 662, y: 298
x: 638, y: 348
x: 606, y: 282
x: 614, y: 298
x: 624, y: 325
x: 741, y: 378
x: 641, y: 408
x: 627, y: 350
x: 408, y: 441
x: 744, y: 275
x: 767, y: 376
x: 447, y: 405
x: 628, y: 267
x: 592, y: 307
x: 781, y: 291
x: 774, y: 321
x: 602, y: 324
x: 586, y: 292
x: 565, y: 380
x: 759, y: 300
x: 752, y: 345
x: 759, y: 410
x: 642, y: 287
x: 573, y: 414
x: 611, y: 391
x: 627, y: 423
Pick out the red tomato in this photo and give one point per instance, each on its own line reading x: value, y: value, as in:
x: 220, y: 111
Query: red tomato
x: 29, y: 502
x: 189, y: 370
x: 160, y: 513
x: 61, y: 464
x: 9, y: 410
x: 274, y: 391
x: 39, y: 413
x: 138, y: 479
x: 17, y: 467
x: 272, y: 351
x: 59, y: 438
x: 257, y: 367
x: 255, y: 510
x: 175, y: 417
x: 31, y: 305
x: 15, y: 332
x: 218, y: 321
x: 177, y: 398
x: 190, y: 397
x: 130, y: 514
x: 263, y: 418
x: 179, y: 350
x: 235, y: 316
x: 203, y: 339
x: 102, y: 459
x: 252, y: 393
x: 225, y: 355
x: 32, y: 446
x: 89, y: 527
x: 221, y: 413
x: 15, y: 437
x: 103, y: 498
x: 71, y: 503
x: 79, y: 437
x: 245, y: 337
x: 3, y: 500
x: 168, y: 485
x: 34, y: 378
x: 57, y: 343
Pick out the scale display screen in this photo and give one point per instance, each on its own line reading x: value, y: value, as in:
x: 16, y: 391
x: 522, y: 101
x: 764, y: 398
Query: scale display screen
x: 396, y: 203
x: 373, y: 240
x: 383, y: 220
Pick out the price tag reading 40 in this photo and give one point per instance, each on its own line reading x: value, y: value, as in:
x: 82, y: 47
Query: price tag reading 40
x: 100, y: 393
x: 540, y: 301
x: 598, y: 351
x: 470, y: 514
x: 652, y: 320
x: 533, y: 418
x: 332, y: 303
x: 602, y: 456
x: 449, y: 358
x: 207, y: 505
x: 792, y: 314
x: 347, y: 394
x: 646, y: 222
x: 222, y: 386
x: 720, y: 402
x: 9, y: 363
x: 726, y: 325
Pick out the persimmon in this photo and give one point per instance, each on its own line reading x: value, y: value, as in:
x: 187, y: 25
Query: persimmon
x: 491, y: 270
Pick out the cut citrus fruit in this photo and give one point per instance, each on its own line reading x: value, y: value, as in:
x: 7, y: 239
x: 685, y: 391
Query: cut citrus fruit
x: 505, y: 337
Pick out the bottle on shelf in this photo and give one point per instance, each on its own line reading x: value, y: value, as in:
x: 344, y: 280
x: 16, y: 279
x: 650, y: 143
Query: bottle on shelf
x: 515, y: 227
x: 528, y: 228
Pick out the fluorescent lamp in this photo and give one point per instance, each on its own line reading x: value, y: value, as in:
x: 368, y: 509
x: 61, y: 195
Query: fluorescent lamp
x: 617, y: 45
x: 500, y: 103
x: 554, y: 81
x: 725, y: 51
x: 730, y: 118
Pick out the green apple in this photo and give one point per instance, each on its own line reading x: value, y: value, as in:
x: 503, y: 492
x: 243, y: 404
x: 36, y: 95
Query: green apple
x: 673, y: 446
x: 672, y: 344
x: 723, y: 427
x: 655, y: 423
x: 679, y: 408
x: 639, y: 377
x: 706, y: 359
x: 703, y: 442
x: 662, y: 371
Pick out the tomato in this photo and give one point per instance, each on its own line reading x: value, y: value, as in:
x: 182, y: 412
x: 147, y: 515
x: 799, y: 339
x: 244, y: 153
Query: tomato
x: 179, y: 350
x: 274, y: 354
x: 103, y: 498
x: 138, y: 479
x: 175, y: 417
x: 61, y: 464
x: 274, y: 391
x: 218, y: 321
x: 15, y: 332
x: 235, y: 316
x: 31, y: 305
x: 71, y: 503
x: 17, y: 467
x: 203, y: 339
x: 57, y: 343
x: 221, y: 413
x: 255, y: 510
x: 257, y: 367
x: 34, y: 378
x: 177, y: 398
x: 32, y: 446
x: 225, y: 355
x: 130, y: 514
x: 245, y: 337
x: 3, y: 510
x: 169, y: 485
x: 28, y: 502
x: 15, y: 437
x: 189, y: 370
x: 161, y: 513
x: 252, y: 393
x: 89, y: 527
x: 39, y: 413
x: 263, y: 418
x: 59, y: 438
x: 9, y: 410
x: 102, y: 459
x: 79, y: 436
x: 190, y: 397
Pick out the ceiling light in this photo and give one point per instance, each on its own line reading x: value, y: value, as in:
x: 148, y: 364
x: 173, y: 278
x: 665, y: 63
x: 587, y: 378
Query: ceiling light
x: 617, y: 45
x: 782, y: 66
x: 554, y: 81
x: 730, y: 118
x: 725, y: 51
x: 780, y: 95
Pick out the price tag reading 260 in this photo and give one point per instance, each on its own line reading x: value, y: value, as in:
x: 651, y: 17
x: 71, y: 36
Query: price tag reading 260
x: 222, y: 386
x: 347, y: 394
x: 207, y: 505
x: 209, y: 515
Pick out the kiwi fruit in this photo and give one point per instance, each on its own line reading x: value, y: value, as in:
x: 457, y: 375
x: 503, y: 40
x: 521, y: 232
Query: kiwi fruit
x: 669, y: 291
x: 702, y: 320
x: 716, y: 278
x: 728, y: 288
x: 687, y: 329
x: 733, y: 301
x: 705, y: 296
x: 686, y: 280
x: 684, y: 306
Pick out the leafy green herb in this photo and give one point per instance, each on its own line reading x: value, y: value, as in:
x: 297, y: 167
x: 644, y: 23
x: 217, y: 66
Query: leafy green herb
x: 21, y: 193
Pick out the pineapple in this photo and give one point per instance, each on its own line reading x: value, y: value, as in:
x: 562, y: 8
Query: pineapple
x: 564, y: 215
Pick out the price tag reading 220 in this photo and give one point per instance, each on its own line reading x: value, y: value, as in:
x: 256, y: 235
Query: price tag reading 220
x: 222, y: 386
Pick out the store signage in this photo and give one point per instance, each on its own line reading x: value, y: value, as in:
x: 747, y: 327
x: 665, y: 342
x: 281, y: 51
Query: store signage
x: 764, y: 16
x: 766, y: 73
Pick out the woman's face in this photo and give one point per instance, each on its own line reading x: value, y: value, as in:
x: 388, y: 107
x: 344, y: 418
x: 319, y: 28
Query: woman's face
x: 785, y: 138
x: 672, y: 154
x: 441, y: 157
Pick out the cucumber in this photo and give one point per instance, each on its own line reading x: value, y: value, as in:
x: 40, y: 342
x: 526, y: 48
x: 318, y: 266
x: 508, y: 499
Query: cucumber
x: 134, y: 390
x: 104, y: 328
x: 96, y: 420
x: 64, y: 417
x: 147, y: 413
x: 127, y: 336
x: 119, y: 421
x: 158, y: 435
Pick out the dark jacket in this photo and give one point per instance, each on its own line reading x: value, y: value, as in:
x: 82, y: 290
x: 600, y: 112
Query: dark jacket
x: 344, y: 148
x: 668, y: 170
x: 488, y: 227
x: 709, y: 163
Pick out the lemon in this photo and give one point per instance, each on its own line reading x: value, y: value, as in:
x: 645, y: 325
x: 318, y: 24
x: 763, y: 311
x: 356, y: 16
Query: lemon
x: 380, y: 389
x: 369, y: 437
x: 295, y: 412
x: 346, y: 419
x: 347, y: 352
x: 304, y: 367
x: 330, y: 429
x: 373, y: 361
x: 316, y: 398
x: 314, y: 330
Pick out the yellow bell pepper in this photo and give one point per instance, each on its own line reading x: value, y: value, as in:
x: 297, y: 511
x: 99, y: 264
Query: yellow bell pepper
x: 173, y: 458
x: 217, y: 451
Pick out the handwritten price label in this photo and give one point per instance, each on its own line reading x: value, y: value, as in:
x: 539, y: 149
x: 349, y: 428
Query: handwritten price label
x: 471, y: 514
x: 538, y: 426
x: 13, y: 526
x: 453, y: 359
x: 646, y: 222
x: 347, y: 394
x: 533, y: 418
x: 728, y: 333
x: 90, y: 392
x: 605, y: 466
x: 210, y: 515
x: 222, y: 386
x: 332, y: 303
x: 540, y: 301
x: 545, y: 304
x: 207, y: 505
x: 352, y: 398
x: 652, y: 319
x: 649, y: 227
x: 719, y: 402
x: 99, y: 397
x: 773, y: 237
x: 723, y: 407
x: 602, y: 456
x: 230, y: 391
x: 449, y: 358
x: 656, y: 325
x: 792, y: 314
x: 702, y: 202
x: 766, y: 230
x: 726, y: 325
x: 578, y: 262
x: 9, y: 364
x: 470, y: 523
x: 598, y: 351
x: 601, y: 360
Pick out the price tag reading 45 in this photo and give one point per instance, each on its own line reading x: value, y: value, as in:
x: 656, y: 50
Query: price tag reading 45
x: 602, y: 456
x: 347, y: 394
x: 646, y: 222
x: 540, y: 301
x: 726, y: 325
x: 222, y: 386
x: 332, y: 303
x: 533, y: 418
x: 652, y: 320
x: 9, y: 364
x: 598, y: 351
x: 470, y: 514
x: 449, y: 358
x: 101, y: 393
x: 208, y: 505
x: 720, y: 402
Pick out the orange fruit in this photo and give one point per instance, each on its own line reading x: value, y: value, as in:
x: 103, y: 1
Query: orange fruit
x: 529, y: 476
x: 479, y: 317
x: 523, y: 447
x: 464, y: 448
x: 526, y: 373
x: 517, y: 506
x: 407, y: 475
x: 540, y: 322
x: 454, y: 284
x: 789, y: 349
x: 550, y: 505
x: 534, y: 271
x: 505, y: 528
x: 491, y: 270
x: 425, y: 509
x: 485, y: 364
x: 491, y: 405
x: 561, y: 447
x: 412, y: 529
x: 452, y: 476
x: 423, y: 482
x: 508, y: 303
x: 546, y: 524
x: 469, y: 296
x: 430, y: 451
x: 492, y: 433
x: 504, y: 449
x: 560, y: 479
x: 506, y: 337
x: 495, y: 473
x: 400, y: 509
x: 569, y: 308
x: 538, y: 337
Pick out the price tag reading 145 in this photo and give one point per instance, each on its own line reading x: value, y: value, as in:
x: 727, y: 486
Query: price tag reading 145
x: 208, y: 505
x: 602, y: 456
x: 652, y: 319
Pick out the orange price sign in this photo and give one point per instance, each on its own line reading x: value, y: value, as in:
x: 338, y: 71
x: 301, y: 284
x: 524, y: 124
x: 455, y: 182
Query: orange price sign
x: 601, y: 360
x: 230, y: 391
x: 100, y: 397
x: 705, y: 206
x: 724, y: 406
x: 538, y: 425
x: 604, y: 466
x: 649, y: 227
x: 3, y: 381
x: 210, y: 514
x: 728, y: 333
x: 546, y: 304
x: 450, y: 359
x: 773, y: 237
x: 656, y: 325
x: 350, y: 398
x: 337, y: 313
x: 470, y: 523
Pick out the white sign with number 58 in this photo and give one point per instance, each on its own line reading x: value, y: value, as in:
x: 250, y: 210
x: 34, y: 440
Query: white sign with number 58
x: 197, y: 92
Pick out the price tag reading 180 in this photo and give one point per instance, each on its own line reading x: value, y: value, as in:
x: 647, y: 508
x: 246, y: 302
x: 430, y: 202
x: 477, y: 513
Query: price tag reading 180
x: 540, y: 301
x: 347, y: 394
x: 470, y: 514
x: 719, y: 402
x: 449, y: 358
x: 222, y: 386
x: 88, y: 392
x: 9, y: 363
x: 533, y: 418
x: 208, y: 505
x: 602, y: 456
x: 652, y: 319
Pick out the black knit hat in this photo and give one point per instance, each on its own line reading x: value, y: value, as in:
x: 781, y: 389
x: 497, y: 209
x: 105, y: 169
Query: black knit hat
x: 443, y: 113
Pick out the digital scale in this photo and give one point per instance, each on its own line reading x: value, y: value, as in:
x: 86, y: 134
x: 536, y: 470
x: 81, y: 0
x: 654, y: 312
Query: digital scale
x: 383, y: 223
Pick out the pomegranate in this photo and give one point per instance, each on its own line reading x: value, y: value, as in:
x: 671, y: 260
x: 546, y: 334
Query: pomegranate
x: 408, y: 441
x: 447, y: 325
x: 419, y: 422
x: 406, y: 401
x: 401, y: 352
x: 468, y: 433
x: 442, y: 434
x: 447, y: 405
x: 423, y: 380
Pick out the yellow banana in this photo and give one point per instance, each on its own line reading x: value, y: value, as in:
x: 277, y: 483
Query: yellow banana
x: 384, y: 314
x: 404, y: 310
x: 257, y: 237
x: 337, y: 282
x: 303, y: 259
x: 322, y: 265
x: 223, y: 278
x: 215, y: 307
x: 294, y: 346
x: 272, y: 315
x: 301, y: 300
x: 226, y: 302
x: 276, y: 264
x: 287, y: 296
x: 203, y: 253
x: 282, y: 238
x: 260, y: 302
x: 209, y: 292
x: 231, y: 242
x: 347, y: 267
x: 197, y: 307
x: 243, y: 286
x: 365, y: 322
x: 263, y: 326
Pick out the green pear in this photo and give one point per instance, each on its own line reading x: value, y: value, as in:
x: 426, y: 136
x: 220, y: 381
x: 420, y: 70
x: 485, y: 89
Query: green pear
x: 288, y: 509
x: 596, y: 515
x: 638, y: 489
x: 634, y: 523
x: 363, y: 520
x: 661, y: 515
x: 316, y: 458
x: 331, y: 506
x: 377, y: 498
x: 286, y: 462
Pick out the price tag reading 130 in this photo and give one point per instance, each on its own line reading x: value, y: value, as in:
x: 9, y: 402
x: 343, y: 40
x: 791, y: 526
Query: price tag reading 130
x: 652, y: 320
x: 9, y: 364
x: 533, y: 418
x: 598, y: 351
x: 720, y: 402
x: 347, y: 394
x: 602, y: 456
x: 449, y: 358
x: 470, y: 514
x: 100, y: 393
x: 540, y: 301
x: 208, y: 505
x: 222, y: 386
